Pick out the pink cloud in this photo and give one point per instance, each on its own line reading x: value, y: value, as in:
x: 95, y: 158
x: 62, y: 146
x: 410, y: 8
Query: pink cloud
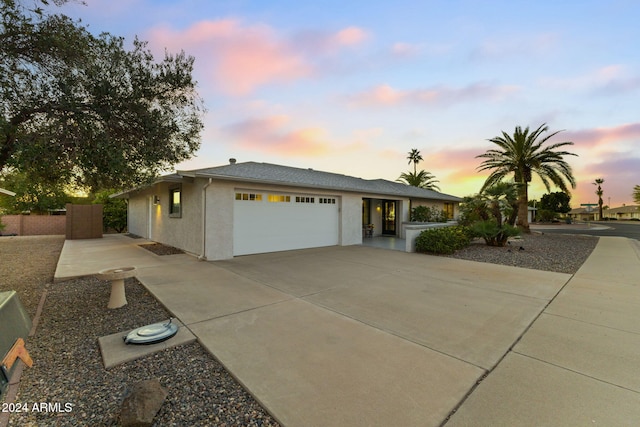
x: 604, y: 135
x: 385, y: 95
x: 350, y: 36
x: 241, y: 57
x: 271, y: 134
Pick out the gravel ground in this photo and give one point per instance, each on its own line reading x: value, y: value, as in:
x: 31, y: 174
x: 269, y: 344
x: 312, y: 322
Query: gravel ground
x: 67, y: 361
x: 68, y: 365
x: 550, y: 252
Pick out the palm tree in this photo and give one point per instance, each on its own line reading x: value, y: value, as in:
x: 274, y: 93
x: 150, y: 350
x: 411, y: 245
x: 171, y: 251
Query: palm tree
x: 599, y: 192
x: 422, y: 179
x: 523, y: 155
x: 415, y: 157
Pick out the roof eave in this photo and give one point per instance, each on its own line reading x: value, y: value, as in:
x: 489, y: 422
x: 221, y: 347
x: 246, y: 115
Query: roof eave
x: 439, y: 196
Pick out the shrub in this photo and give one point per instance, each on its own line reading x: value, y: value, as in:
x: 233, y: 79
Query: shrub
x: 114, y: 211
x: 443, y: 240
x: 545, y: 215
x: 493, y: 234
x: 428, y: 214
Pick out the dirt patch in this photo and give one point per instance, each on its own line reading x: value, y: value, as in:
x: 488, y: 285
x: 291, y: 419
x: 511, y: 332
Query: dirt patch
x: 160, y: 249
x: 27, y: 264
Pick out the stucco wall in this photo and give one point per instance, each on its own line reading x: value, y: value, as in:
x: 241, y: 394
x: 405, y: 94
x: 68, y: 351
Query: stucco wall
x: 219, y: 221
x: 138, y: 214
x: 351, y: 220
x: 184, y: 232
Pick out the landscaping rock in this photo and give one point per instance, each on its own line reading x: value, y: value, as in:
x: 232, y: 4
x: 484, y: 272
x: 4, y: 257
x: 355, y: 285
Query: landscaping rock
x: 142, y: 403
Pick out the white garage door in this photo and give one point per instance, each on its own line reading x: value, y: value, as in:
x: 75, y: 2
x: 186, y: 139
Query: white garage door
x: 271, y: 222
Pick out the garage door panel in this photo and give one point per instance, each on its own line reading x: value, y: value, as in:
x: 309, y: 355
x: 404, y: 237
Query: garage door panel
x: 263, y: 226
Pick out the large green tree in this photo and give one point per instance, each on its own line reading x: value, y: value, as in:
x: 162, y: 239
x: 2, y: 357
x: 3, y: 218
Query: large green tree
x: 79, y: 108
x: 31, y: 195
x: 636, y: 193
x: 523, y: 154
x: 555, y: 202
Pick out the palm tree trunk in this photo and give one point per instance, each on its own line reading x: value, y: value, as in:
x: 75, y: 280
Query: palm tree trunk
x: 523, y: 208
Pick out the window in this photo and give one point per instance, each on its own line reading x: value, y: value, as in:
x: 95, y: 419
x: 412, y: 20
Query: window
x: 327, y: 200
x: 279, y: 198
x: 253, y: 197
x: 305, y: 199
x: 175, y: 202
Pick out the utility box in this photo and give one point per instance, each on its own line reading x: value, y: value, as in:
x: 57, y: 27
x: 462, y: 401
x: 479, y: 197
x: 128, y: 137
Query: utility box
x: 15, y: 323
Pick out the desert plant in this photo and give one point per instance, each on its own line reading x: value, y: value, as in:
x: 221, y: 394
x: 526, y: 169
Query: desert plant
x: 492, y: 213
x: 443, y: 240
x: 493, y: 234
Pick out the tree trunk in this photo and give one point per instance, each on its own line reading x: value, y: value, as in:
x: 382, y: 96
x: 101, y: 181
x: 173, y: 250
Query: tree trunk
x: 523, y: 211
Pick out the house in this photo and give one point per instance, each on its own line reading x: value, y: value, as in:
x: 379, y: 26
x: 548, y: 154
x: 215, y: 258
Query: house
x: 247, y: 208
x: 583, y: 214
x: 623, y: 212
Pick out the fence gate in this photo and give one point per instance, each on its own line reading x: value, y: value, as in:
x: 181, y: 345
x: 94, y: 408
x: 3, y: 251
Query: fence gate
x: 84, y: 221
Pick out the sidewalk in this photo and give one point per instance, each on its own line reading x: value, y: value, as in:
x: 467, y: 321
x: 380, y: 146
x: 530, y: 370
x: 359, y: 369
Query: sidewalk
x: 578, y: 364
x: 572, y: 226
x: 361, y: 336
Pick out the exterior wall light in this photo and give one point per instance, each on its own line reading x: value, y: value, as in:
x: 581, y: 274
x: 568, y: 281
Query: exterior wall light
x: 156, y: 200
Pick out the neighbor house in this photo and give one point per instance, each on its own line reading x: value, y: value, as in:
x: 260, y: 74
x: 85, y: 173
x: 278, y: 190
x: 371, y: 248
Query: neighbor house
x: 623, y: 212
x: 583, y: 214
x: 247, y: 208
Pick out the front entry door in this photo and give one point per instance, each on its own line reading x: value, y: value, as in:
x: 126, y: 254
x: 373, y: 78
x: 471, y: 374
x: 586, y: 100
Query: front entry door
x: 389, y: 217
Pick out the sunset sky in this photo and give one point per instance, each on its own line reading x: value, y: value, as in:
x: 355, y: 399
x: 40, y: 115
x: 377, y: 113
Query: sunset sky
x: 351, y: 86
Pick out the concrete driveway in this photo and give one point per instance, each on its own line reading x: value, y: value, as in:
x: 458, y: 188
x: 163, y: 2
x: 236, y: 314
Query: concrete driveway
x: 358, y: 336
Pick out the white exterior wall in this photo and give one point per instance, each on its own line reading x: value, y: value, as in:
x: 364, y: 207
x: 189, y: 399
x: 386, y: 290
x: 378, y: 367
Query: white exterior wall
x: 219, y: 220
x: 351, y: 220
x: 184, y: 232
x: 138, y: 214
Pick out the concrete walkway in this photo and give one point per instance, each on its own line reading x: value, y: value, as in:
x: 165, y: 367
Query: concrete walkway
x: 359, y: 336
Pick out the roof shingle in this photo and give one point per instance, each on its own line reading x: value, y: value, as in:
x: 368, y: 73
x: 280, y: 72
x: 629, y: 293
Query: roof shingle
x: 286, y: 175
